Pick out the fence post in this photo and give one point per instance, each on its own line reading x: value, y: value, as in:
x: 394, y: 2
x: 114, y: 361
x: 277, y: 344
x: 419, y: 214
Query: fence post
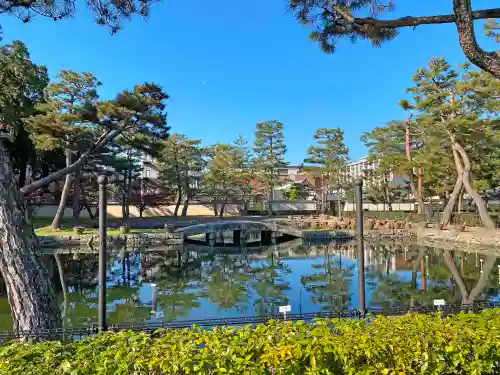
x: 103, y: 181
x: 358, y: 185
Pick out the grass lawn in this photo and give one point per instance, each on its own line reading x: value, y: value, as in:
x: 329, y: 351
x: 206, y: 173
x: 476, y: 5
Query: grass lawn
x: 68, y: 231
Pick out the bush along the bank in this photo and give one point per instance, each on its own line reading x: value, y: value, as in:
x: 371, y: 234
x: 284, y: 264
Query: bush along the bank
x: 411, y: 344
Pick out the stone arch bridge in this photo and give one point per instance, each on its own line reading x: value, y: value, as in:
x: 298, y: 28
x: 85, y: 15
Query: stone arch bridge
x: 270, y: 231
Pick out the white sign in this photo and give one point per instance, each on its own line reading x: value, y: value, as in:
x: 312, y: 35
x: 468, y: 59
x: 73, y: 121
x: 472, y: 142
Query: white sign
x: 285, y: 309
x: 439, y: 302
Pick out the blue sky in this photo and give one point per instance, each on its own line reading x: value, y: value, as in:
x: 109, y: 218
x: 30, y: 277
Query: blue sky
x: 230, y: 64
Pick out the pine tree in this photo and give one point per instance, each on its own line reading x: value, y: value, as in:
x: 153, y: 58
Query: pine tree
x: 454, y: 106
x: 107, y: 13
x: 61, y: 123
x: 328, y: 157
x: 31, y: 296
x: 181, y: 163
x: 220, y: 174
x: 269, y: 148
x: 335, y: 19
x: 245, y: 169
x: 23, y: 83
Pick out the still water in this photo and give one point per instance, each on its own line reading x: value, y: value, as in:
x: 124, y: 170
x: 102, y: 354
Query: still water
x: 231, y: 282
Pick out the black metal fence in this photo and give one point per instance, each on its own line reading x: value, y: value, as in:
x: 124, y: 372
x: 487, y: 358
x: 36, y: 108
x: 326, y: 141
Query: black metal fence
x: 81, y: 333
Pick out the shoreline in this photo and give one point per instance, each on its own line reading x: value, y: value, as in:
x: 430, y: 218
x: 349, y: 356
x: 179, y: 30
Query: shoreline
x: 472, y: 238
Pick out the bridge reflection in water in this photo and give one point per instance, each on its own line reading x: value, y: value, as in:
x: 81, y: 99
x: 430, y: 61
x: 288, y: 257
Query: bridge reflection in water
x: 195, y: 281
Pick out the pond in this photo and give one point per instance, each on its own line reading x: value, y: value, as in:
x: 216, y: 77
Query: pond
x: 232, y: 282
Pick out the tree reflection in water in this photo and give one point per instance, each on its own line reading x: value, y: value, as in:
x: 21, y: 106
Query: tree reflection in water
x: 441, y: 274
x: 329, y: 285
x: 258, y: 281
x: 226, y: 281
x: 269, y: 285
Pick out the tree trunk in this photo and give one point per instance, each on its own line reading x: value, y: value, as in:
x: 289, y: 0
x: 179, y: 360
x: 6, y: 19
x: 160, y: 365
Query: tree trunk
x: 476, y: 197
x: 64, y: 288
x: 85, y: 203
x: 129, y: 190
x: 214, y: 206
x: 124, y: 201
x: 56, y: 223
x: 448, y: 210
x: 76, y: 198
x: 30, y: 293
x: 185, y: 204
x: 270, y: 202
x: 178, y: 202
x: 411, y: 178
x: 488, y: 61
x: 23, y: 166
x: 387, y: 193
x: 223, y: 205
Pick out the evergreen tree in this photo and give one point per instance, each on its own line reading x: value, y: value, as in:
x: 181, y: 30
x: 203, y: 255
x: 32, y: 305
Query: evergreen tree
x: 107, y: 13
x: 269, y: 148
x: 386, y: 149
x: 61, y: 123
x: 31, y: 296
x: 454, y: 106
x: 297, y: 191
x: 181, y: 163
x: 23, y: 83
x: 220, y: 174
x: 328, y: 158
x: 245, y: 169
x: 334, y: 19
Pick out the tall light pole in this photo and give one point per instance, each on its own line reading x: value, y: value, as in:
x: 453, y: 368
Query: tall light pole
x: 358, y: 185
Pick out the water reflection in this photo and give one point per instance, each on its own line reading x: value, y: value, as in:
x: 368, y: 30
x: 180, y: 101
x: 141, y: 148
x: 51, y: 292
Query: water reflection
x: 160, y: 285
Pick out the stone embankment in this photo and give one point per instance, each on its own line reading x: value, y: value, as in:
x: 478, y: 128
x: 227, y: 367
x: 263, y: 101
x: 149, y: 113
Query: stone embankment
x: 133, y: 240
x: 452, y: 237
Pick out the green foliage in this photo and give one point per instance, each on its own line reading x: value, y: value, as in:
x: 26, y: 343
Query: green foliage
x: 22, y: 88
x: 492, y: 29
x: 22, y: 85
x: 107, y: 13
x: 331, y: 21
x: 220, y: 174
x: 328, y: 156
x: 298, y: 191
x: 423, y: 344
x: 181, y: 160
x: 457, y: 107
x: 269, y: 148
x: 61, y: 121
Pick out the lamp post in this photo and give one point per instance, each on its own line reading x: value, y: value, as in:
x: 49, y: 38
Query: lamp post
x: 103, y: 181
x: 358, y: 184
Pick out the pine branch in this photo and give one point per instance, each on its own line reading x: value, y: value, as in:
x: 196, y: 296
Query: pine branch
x: 412, y: 21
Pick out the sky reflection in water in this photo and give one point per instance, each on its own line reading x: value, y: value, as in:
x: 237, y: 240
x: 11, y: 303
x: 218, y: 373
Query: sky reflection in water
x: 310, y: 278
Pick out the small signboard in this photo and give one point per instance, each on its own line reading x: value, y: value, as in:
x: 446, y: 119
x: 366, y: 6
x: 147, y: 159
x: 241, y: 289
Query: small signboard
x: 439, y: 302
x: 285, y: 309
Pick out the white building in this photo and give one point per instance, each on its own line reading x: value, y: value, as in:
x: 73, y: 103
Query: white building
x: 359, y: 168
x: 148, y: 167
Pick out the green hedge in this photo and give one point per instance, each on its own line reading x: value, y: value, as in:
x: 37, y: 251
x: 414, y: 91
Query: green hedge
x: 411, y: 344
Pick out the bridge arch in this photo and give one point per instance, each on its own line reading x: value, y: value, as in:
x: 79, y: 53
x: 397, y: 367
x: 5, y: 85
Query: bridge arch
x: 238, y: 225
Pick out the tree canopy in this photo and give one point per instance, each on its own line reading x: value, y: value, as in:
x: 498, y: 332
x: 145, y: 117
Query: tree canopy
x: 334, y: 20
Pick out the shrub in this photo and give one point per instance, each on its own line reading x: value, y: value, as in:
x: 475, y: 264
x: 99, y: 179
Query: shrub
x: 411, y: 344
x: 78, y: 230
x: 124, y: 229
